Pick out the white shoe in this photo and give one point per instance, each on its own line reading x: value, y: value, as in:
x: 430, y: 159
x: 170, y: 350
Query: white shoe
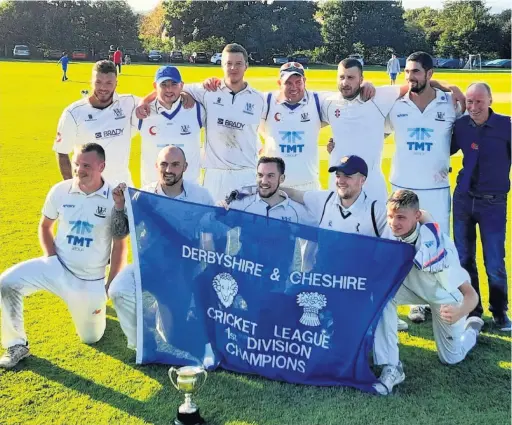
x: 418, y: 313
x: 475, y: 323
x: 390, y: 376
x: 13, y: 355
x: 402, y: 325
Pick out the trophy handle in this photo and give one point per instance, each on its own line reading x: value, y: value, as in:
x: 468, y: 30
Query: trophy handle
x: 204, y: 376
x: 173, y: 372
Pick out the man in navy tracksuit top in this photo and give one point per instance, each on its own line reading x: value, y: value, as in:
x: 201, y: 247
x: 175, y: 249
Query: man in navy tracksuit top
x: 480, y: 196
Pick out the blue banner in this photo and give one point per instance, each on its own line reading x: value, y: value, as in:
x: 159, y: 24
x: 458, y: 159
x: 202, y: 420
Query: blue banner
x: 256, y: 295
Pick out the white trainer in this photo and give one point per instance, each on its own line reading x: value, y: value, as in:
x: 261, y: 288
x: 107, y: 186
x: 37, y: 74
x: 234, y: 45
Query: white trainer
x: 475, y: 323
x: 13, y: 355
x: 402, y: 325
x: 390, y: 376
x: 418, y: 313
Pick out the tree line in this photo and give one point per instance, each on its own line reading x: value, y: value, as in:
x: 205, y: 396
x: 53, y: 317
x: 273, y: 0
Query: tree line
x: 325, y: 30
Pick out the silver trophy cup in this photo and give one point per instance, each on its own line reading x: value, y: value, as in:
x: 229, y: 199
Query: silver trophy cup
x: 188, y: 380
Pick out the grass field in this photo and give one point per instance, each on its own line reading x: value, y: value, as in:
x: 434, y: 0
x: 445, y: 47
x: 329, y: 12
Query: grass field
x: 66, y: 382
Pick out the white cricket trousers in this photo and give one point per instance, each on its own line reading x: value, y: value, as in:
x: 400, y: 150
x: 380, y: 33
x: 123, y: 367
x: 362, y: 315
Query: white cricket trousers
x: 86, y: 300
x: 122, y: 294
x: 437, y: 202
x: 221, y: 183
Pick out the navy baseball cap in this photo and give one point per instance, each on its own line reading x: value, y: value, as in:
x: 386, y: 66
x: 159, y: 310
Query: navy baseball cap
x: 289, y: 69
x: 350, y: 165
x: 165, y: 73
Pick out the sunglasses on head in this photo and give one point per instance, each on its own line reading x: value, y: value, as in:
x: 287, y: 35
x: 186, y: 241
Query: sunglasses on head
x: 291, y: 65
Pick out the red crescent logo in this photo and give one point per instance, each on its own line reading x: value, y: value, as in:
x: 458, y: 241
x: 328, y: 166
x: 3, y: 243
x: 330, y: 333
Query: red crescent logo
x: 152, y: 130
x: 277, y: 116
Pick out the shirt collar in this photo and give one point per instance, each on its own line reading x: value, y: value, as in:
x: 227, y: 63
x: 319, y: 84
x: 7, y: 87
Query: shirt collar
x: 356, y: 99
x: 491, y: 121
x: 284, y: 203
x: 247, y: 88
x: 159, y: 108
x: 356, y: 205
x: 441, y: 97
x: 103, y: 191
x: 159, y: 190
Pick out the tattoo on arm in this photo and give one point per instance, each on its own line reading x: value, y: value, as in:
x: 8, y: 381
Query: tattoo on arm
x: 120, y: 228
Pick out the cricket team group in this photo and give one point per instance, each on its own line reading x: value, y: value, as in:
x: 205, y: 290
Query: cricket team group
x: 280, y: 179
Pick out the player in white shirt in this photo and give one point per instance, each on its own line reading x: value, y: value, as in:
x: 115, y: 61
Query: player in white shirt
x: 448, y: 292
x: 291, y: 127
x: 74, y: 261
x: 172, y: 165
x: 358, y: 127
x: 170, y: 123
x: 422, y: 121
x: 105, y: 118
x: 233, y: 114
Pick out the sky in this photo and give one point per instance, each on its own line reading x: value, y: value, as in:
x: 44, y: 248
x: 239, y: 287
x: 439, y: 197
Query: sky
x: 496, y: 5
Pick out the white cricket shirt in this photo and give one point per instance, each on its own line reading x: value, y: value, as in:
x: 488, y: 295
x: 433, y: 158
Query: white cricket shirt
x: 176, y: 126
x: 358, y: 129
x: 232, y: 121
x: 292, y: 134
x: 422, y: 140
x: 192, y: 192
x: 84, y: 238
x: 110, y: 127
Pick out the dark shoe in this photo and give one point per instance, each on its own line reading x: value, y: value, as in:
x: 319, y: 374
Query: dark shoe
x: 503, y: 323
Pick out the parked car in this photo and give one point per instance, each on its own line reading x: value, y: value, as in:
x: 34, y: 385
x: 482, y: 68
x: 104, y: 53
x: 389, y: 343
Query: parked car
x: 279, y: 59
x: 155, y: 56
x: 358, y: 57
x: 255, y: 58
x: 498, y: 63
x: 302, y: 59
x: 216, y: 59
x: 176, y: 57
x: 448, y: 63
x: 21, y: 51
x: 134, y: 54
x: 53, y: 54
x: 199, y: 57
x: 79, y: 54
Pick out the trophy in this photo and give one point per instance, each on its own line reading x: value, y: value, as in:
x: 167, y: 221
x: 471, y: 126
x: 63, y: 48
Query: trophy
x: 188, y: 380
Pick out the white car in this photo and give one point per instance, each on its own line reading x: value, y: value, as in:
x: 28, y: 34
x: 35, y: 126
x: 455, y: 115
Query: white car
x: 21, y: 51
x: 216, y: 58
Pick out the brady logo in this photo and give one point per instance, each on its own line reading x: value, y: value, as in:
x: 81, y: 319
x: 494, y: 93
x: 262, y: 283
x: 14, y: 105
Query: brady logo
x: 304, y: 117
x: 101, y: 212
x: 80, y: 228
x: 291, y: 138
x: 249, y: 108
x: 118, y: 112
x: 68, y: 206
x: 402, y: 115
x: 230, y: 124
x: 110, y: 133
x: 98, y: 135
x: 185, y: 129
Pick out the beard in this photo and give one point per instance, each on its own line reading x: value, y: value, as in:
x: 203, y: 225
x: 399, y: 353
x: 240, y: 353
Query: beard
x: 269, y: 194
x: 104, y: 98
x: 350, y: 96
x: 419, y: 86
x: 177, y: 179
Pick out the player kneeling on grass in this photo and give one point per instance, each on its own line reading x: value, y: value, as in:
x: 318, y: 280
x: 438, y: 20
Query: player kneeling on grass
x: 447, y: 291
x: 74, y: 261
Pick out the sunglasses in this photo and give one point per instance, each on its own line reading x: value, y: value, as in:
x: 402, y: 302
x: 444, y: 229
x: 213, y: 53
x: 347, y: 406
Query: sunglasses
x: 289, y: 65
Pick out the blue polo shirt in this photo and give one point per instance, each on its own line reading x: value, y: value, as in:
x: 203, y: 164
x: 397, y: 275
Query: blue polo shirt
x: 486, y: 149
x: 64, y: 61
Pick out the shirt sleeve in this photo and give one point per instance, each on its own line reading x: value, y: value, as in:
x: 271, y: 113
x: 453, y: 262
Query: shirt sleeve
x: 314, y: 201
x: 51, y: 204
x: 381, y: 218
x: 385, y: 98
x: 454, y: 146
x: 454, y: 275
x: 197, y: 91
x: 66, y: 138
x: 134, y: 120
x: 324, y: 105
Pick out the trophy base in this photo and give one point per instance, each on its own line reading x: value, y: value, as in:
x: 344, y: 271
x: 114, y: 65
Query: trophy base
x: 189, y: 418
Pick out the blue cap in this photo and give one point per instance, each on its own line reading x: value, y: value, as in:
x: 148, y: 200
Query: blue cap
x: 165, y: 73
x: 350, y: 165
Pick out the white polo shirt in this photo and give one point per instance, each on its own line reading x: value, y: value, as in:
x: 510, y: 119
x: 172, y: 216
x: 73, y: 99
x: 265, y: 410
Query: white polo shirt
x: 192, y: 192
x: 358, y: 129
x: 422, y: 140
x: 286, y: 210
x: 176, y: 126
x: 325, y: 207
x: 442, y: 287
x: 292, y: 134
x: 84, y: 238
x: 110, y: 127
x: 232, y: 121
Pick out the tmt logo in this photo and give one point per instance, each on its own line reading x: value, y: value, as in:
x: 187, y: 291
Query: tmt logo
x: 420, y: 134
x: 80, y: 228
x: 290, y: 138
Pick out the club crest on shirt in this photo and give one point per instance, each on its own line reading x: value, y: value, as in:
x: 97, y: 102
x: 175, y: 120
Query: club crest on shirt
x: 101, y: 212
x: 440, y: 116
x: 304, y: 117
x: 118, y: 112
x: 249, y: 108
x: 185, y: 129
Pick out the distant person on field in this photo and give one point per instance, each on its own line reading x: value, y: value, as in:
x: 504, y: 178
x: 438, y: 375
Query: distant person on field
x: 64, y: 60
x: 393, y: 68
x: 118, y: 59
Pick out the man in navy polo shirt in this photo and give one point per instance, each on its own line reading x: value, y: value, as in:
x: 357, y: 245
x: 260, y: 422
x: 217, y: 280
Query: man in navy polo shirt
x: 480, y: 196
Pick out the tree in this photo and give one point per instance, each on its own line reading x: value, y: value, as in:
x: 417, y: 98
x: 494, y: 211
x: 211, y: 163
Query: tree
x: 503, y: 21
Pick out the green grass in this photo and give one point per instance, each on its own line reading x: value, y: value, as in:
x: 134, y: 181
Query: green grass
x: 66, y: 382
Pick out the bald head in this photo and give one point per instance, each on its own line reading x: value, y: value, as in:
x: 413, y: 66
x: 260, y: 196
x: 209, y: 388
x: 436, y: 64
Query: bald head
x: 478, y: 102
x: 171, y: 164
